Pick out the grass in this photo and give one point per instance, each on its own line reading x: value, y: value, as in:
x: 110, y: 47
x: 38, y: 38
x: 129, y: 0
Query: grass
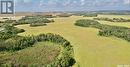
x: 90, y: 49
x: 41, y: 53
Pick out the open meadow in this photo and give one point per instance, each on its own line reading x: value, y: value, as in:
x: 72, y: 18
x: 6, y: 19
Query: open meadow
x: 90, y: 49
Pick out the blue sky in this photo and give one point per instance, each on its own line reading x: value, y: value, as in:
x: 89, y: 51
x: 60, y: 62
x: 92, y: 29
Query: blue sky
x: 71, y: 5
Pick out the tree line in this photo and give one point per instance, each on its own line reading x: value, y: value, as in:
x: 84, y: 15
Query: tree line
x: 33, y: 21
x: 113, y: 19
x: 106, y: 30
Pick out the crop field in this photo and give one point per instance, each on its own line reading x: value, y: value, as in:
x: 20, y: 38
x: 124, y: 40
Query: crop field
x: 90, y: 49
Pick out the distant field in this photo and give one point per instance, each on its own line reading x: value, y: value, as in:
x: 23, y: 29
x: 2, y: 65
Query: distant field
x: 12, y: 17
x: 41, y: 53
x: 90, y: 50
x: 115, y: 16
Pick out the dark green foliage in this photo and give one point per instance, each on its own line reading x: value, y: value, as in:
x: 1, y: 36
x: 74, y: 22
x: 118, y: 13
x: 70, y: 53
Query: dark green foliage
x: 49, y: 16
x: 37, y: 24
x: 10, y: 21
x: 64, y: 15
x: 11, y: 29
x: 1, y: 21
x: 90, y: 15
x: 7, y: 33
x: 107, y: 30
x: 86, y: 14
x: 5, y: 18
x: 4, y: 36
x: 86, y: 23
x: 33, y: 21
x: 113, y: 19
x: 66, y: 59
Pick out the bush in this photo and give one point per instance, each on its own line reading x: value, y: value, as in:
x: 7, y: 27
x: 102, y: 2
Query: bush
x: 33, y: 20
x: 49, y: 16
x: 64, y: 15
x: 86, y: 23
x: 37, y: 24
x: 9, y: 21
x: 4, y: 36
x: 11, y: 29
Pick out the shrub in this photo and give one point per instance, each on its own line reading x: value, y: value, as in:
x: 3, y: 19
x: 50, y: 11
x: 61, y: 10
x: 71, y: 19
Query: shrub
x: 37, y: 24
x: 9, y: 21
x: 11, y: 29
x: 33, y: 19
x: 86, y: 23
x: 64, y: 15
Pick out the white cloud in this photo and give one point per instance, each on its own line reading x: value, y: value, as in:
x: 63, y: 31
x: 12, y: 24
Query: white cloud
x: 27, y: 1
x: 126, y: 1
x: 82, y: 2
x: 41, y: 3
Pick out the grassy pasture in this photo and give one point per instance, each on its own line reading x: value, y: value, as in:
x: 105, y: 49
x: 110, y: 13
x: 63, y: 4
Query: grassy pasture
x: 90, y: 50
x: 41, y: 53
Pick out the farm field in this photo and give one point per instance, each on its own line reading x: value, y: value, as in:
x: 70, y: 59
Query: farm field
x: 90, y: 50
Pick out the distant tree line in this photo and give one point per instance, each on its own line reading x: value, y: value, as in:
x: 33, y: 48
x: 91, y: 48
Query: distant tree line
x: 34, y: 21
x: 86, y: 23
x: 106, y: 30
x: 84, y: 14
x: 64, y: 15
x: 90, y: 15
x: 113, y: 19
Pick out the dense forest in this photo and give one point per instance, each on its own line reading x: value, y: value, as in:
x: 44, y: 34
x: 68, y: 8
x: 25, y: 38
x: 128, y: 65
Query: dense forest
x: 106, y: 30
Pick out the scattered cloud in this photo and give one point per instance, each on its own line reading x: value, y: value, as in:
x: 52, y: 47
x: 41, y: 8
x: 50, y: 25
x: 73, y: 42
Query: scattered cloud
x: 56, y: 4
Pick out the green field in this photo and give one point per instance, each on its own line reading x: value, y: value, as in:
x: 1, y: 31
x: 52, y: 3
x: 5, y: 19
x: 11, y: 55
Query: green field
x: 90, y: 50
x: 42, y: 53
